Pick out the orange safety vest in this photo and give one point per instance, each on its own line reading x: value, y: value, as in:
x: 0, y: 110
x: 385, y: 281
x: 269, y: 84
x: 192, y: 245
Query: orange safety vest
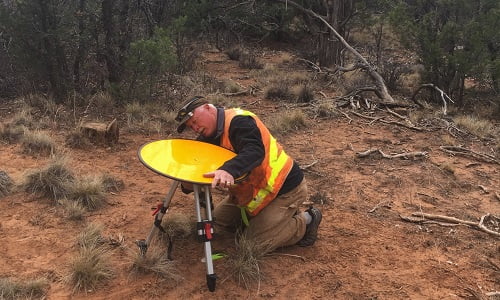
x: 263, y: 182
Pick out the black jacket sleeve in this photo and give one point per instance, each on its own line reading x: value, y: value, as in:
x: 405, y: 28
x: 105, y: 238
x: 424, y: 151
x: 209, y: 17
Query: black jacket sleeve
x: 246, y: 140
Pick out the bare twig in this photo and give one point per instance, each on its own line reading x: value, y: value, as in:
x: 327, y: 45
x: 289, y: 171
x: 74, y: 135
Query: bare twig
x: 245, y: 92
x: 380, y: 204
x: 311, y: 64
x: 309, y: 165
x: 422, y: 217
x: 443, y: 95
x: 286, y: 254
x: 388, y: 122
x: 405, y: 155
x: 346, y: 115
x: 457, y: 150
x: 484, y: 189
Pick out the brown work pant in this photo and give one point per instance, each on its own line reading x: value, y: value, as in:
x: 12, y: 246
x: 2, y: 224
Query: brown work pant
x: 279, y: 224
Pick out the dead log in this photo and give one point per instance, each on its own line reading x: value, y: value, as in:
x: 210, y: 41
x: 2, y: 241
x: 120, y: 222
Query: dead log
x: 101, y: 133
x: 381, y: 89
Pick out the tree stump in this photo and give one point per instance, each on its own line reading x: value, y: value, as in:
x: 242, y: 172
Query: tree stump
x: 101, y: 133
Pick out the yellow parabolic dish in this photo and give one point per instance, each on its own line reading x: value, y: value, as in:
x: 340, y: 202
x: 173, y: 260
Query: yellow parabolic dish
x: 184, y: 160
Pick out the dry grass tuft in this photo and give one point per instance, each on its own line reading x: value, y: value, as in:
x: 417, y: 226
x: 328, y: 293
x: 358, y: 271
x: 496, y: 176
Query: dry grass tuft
x: 24, y: 118
x: 91, y: 236
x: 448, y: 140
x: 280, y: 90
x: 353, y: 80
x: 448, y: 168
x: 417, y: 115
x: 479, y: 127
x: 30, y: 289
x: 288, y: 121
x: 303, y: 93
x: 325, y: 110
x: 73, y: 210
x: 76, y: 139
x: 38, y: 143
x: 104, y: 102
x: 245, y: 263
x: 231, y: 86
x: 10, y: 133
x: 90, y: 268
x: 6, y: 184
x: 249, y: 61
x: 53, y: 181
x: 134, y: 112
x: 155, y: 262
x: 234, y: 53
x: 298, y: 78
x: 176, y: 226
x: 220, y: 100
x: 89, y: 191
x: 111, y: 183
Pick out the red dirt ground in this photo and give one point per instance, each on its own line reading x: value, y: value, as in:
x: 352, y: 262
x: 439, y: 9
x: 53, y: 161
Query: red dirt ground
x: 364, y: 251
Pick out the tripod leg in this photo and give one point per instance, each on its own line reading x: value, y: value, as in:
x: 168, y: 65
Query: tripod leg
x: 205, y: 231
x: 143, y: 244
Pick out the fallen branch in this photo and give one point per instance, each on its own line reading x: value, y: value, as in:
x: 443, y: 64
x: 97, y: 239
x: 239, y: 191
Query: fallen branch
x: 381, y: 88
x: 388, y: 122
x: 443, y: 95
x: 422, y: 217
x: 405, y: 155
x: 346, y: 115
x: 457, y: 150
x: 245, y: 92
x: 423, y: 221
x: 379, y: 205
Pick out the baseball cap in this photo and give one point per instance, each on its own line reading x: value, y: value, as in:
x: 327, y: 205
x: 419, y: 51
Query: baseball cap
x: 186, y: 111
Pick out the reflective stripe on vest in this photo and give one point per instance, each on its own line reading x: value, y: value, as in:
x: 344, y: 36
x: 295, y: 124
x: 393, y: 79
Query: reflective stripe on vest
x: 263, y: 183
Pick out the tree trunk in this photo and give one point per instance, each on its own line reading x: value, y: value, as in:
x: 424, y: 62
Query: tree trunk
x: 338, y: 12
x: 54, y: 53
x: 80, y: 52
x: 110, y: 51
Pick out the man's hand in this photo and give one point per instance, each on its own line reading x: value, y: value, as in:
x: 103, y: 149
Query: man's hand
x: 221, y: 178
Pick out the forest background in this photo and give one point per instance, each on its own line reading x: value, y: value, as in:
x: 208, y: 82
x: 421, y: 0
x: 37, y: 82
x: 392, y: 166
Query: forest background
x: 428, y: 64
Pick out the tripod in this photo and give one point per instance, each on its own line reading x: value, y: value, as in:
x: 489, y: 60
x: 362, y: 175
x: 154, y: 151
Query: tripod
x: 186, y: 161
x: 204, y: 226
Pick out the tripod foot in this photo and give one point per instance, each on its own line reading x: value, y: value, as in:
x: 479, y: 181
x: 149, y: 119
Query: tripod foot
x: 143, y: 247
x: 211, y: 279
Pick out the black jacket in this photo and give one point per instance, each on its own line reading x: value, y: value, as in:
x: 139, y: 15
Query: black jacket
x: 247, y: 143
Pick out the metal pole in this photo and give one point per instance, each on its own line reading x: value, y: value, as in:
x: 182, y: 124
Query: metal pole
x: 143, y: 244
x: 205, y: 230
